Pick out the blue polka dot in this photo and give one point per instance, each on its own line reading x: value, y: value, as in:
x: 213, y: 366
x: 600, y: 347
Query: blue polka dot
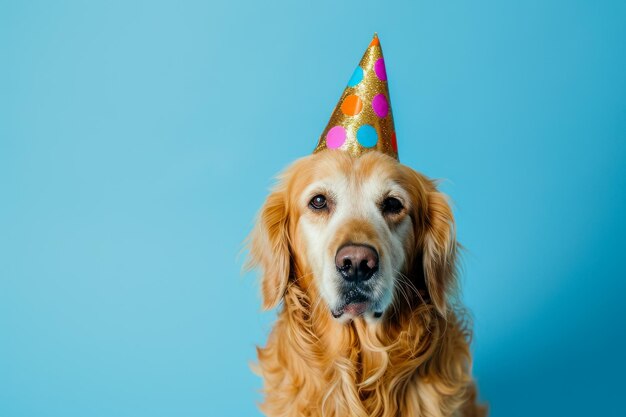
x: 356, y: 78
x: 367, y: 136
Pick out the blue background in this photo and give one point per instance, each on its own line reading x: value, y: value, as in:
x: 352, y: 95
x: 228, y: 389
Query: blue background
x: 138, y: 140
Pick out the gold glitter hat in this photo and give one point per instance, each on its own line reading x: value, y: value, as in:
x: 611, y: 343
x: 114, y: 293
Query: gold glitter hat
x: 362, y: 120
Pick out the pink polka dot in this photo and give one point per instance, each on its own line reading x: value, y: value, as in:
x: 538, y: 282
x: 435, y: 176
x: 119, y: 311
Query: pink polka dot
x: 379, y: 69
x: 380, y: 105
x: 335, y: 137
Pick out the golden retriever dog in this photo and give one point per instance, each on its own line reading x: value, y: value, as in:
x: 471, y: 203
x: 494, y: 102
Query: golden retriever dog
x: 360, y: 252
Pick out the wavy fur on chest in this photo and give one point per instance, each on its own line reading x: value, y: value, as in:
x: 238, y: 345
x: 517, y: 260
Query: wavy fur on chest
x: 414, y: 364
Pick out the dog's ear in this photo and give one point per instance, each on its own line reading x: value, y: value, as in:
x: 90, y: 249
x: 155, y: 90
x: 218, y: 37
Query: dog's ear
x: 269, y: 248
x: 439, y: 249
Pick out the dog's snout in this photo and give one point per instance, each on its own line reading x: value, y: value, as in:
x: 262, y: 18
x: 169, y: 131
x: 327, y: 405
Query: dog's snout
x: 356, y: 262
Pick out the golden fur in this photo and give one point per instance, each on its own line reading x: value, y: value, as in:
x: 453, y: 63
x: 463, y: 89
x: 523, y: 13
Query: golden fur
x: 415, y: 361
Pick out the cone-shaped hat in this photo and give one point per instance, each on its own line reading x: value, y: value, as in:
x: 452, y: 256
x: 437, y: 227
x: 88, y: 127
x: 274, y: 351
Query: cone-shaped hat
x: 362, y: 120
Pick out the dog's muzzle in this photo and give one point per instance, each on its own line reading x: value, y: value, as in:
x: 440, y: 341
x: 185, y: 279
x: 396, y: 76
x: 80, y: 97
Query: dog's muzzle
x: 357, y: 264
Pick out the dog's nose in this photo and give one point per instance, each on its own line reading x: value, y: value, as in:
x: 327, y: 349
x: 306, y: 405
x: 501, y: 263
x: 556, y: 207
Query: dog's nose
x: 356, y: 262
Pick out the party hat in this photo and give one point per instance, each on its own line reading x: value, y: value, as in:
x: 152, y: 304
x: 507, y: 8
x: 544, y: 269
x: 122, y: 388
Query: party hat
x: 362, y: 120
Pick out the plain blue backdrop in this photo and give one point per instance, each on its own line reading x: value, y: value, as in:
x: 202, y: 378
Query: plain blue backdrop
x: 139, y: 138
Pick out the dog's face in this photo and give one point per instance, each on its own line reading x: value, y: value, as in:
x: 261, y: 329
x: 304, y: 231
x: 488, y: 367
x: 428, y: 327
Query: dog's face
x: 355, y: 225
x: 359, y: 233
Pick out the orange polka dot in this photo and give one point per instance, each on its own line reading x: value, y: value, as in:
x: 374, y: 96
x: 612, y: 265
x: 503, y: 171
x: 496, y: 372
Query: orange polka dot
x: 374, y: 42
x: 394, y: 142
x: 352, y: 105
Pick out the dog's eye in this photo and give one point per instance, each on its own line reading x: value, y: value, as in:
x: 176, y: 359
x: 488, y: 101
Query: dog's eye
x: 318, y: 202
x: 392, y: 205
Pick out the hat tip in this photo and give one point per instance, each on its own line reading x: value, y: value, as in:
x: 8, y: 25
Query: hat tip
x: 375, y: 41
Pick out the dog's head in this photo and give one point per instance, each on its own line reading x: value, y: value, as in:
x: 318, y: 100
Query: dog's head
x: 362, y: 234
